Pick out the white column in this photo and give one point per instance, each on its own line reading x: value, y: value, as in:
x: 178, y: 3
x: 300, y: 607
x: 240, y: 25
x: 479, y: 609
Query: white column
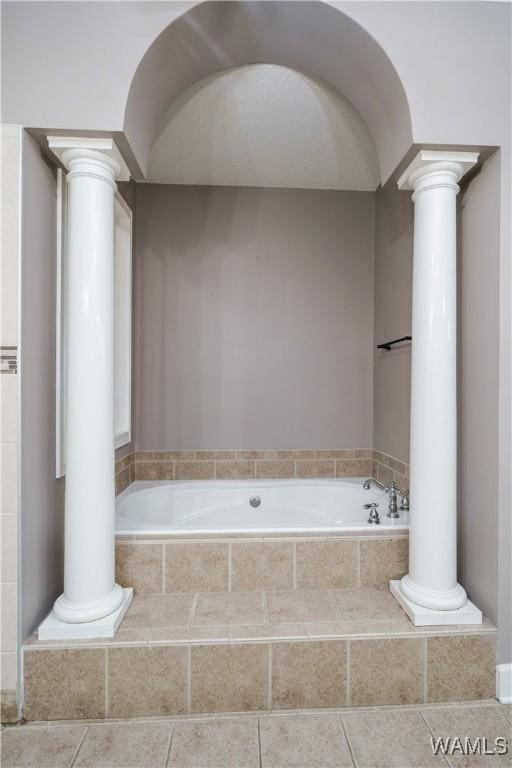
x: 429, y: 592
x: 90, y: 592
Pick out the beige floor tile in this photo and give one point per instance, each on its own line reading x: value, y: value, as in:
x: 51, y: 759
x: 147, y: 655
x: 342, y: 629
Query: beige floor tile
x: 327, y: 563
x: 130, y: 635
x: 309, y: 675
x: 139, y: 565
x: 125, y: 746
x: 229, y: 608
x: 398, y: 739
x: 347, y: 628
x: 274, y: 631
x: 269, y: 631
x: 215, y: 744
x: 383, y: 560
x: 461, y: 668
x: 262, y: 565
x: 386, y: 671
x: 196, y: 567
x: 302, y: 605
x: 52, y: 747
x: 159, y: 611
x: 64, y: 684
x: 189, y: 634
x: 229, y: 678
x: 486, y: 722
x: 364, y: 603
x: 147, y: 681
x: 307, y: 741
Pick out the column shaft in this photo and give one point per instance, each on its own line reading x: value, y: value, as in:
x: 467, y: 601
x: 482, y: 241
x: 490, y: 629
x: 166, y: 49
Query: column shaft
x: 90, y: 591
x: 432, y: 578
x: 433, y: 559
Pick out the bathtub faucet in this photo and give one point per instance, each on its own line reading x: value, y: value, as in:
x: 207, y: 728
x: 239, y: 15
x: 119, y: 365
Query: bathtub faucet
x: 392, y: 492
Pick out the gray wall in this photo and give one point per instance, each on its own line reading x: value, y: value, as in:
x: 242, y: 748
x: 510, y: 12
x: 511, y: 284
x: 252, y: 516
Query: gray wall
x: 393, y: 293
x: 479, y: 244
x: 254, y: 318
x: 42, y: 519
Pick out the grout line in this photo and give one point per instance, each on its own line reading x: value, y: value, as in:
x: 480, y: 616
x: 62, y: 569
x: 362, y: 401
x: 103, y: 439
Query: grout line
x: 192, y: 615
x: 269, y: 681
x: 294, y: 566
x: 164, y: 566
x: 358, y: 562
x: 349, y: 682
x: 259, y: 743
x: 107, y: 708
x: 344, y: 731
x: 168, y: 755
x: 265, y: 608
x: 230, y: 554
x: 79, y: 747
x: 427, y: 724
x: 189, y: 679
x: 425, y: 670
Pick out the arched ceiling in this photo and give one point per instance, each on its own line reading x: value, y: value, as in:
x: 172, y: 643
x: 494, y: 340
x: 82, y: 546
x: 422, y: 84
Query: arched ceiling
x: 310, y: 37
x: 264, y: 125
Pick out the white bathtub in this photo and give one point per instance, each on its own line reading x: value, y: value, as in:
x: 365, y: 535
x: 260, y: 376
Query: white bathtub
x: 223, y: 508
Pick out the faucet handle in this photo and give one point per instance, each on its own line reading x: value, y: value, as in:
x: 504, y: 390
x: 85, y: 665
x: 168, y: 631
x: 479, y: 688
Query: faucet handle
x: 373, y: 517
x: 404, y: 504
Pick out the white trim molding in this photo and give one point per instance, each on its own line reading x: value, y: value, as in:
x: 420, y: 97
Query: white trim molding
x: 504, y: 683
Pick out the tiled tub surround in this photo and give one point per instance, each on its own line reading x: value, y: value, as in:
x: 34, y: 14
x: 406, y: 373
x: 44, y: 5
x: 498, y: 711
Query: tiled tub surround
x: 259, y: 464
x: 125, y: 472
x: 252, y: 464
x: 165, y: 566
x: 258, y: 651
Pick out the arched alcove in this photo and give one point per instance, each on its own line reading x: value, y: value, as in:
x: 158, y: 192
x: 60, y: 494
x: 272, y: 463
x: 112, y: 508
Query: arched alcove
x: 264, y: 125
x: 311, y: 37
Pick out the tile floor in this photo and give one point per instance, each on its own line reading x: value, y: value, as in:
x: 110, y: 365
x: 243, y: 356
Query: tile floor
x: 239, y: 616
x: 388, y: 737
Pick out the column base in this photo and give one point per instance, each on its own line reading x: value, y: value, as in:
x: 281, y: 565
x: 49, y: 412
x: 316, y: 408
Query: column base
x: 53, y: 628
x: 446, y: 600
x: 425, y: 617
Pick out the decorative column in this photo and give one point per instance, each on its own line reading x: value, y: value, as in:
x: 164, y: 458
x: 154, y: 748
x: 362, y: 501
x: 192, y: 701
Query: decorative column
x: 92, y: 604
x: 429, y: 593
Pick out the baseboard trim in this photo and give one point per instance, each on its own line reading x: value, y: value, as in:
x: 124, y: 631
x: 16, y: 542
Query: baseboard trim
x: 504, y: 683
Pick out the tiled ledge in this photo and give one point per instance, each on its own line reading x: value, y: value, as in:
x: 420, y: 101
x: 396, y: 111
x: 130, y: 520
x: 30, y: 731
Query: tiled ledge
x: 204, y: 667
x: 241, y: 617
x: 154, y: 567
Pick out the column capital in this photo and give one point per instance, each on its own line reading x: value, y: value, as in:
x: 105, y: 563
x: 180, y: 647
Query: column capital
x: 436, y: 168
x: 71, y: 150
